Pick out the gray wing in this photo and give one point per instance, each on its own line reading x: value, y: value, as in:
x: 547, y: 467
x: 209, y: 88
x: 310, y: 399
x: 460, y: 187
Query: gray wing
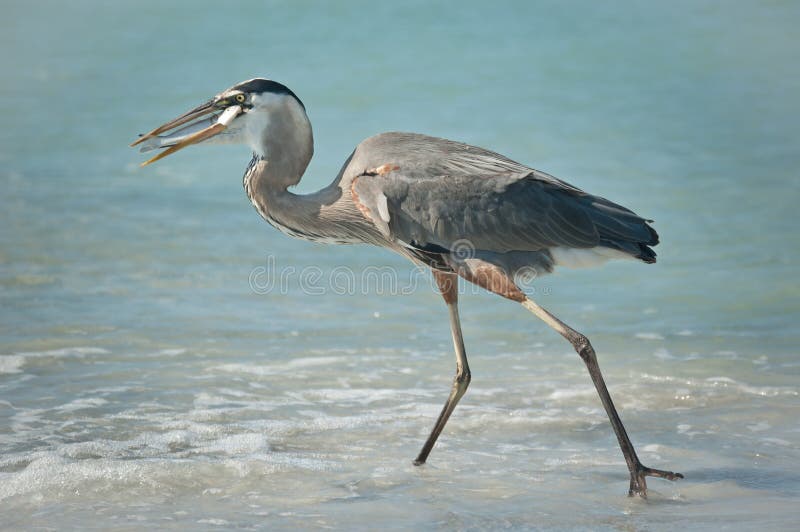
x: 437, y: 193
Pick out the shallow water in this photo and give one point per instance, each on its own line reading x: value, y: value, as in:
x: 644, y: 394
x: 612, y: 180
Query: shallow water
x: 169, y: 360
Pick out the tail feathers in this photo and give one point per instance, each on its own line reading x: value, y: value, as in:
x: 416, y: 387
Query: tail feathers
x: 638, y: 250
x: 622, y: 229
x: 625, y: 231
x: 646, y: 254
x: 653, y: 235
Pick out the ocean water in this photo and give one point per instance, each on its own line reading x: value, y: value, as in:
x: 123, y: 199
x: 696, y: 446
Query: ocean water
x: 169, y: 360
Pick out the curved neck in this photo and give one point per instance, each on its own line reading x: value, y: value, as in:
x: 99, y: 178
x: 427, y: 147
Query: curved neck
x: 287, y: 146
x: 286, y: 142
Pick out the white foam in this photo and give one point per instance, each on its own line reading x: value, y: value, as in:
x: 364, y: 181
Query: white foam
x: 648, y: 336
x: 683, y: 394
x: 237, y: 444
x: 48, y: 472
x: 23, y: 420
x: 82, y: 404
x: 766, y: 391
x: 777, y: 441
x: 759, y: 427
x: 212, y: 521
x: 570, y: 393
x: 663, y: 354
x: 273, y: 369
x: 172, y: 352
x: 66, y: 352
x: 362, y: 396
x: 11, y: 363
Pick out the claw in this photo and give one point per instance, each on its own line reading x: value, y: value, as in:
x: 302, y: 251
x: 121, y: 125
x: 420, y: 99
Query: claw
x: 639, y: 484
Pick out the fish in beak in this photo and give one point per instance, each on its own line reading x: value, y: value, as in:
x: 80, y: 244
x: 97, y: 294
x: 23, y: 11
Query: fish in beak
x: 198, y: 130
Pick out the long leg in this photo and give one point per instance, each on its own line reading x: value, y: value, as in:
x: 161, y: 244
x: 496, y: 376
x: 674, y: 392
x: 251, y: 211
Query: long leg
x: 586, y: 351
x: 448, y: 286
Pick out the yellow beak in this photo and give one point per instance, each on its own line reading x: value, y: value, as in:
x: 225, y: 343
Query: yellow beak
x: 216, y: 128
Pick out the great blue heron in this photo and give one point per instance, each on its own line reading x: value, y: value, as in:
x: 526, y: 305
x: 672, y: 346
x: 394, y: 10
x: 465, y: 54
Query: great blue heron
x: 461, y: 210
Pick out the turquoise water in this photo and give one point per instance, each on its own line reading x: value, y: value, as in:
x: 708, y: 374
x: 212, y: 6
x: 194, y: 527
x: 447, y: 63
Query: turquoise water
x: 151, y: 376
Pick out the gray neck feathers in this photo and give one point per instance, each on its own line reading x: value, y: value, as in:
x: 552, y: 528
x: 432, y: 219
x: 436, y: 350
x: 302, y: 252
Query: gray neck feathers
x: 287, y: 149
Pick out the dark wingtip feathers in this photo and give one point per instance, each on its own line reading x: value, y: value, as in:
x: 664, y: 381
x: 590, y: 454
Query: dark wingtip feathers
x: 653, y: 235
x: 646, y: 254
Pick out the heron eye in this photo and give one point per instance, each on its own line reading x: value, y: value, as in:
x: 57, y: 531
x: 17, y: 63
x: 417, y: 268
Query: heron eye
x: 240, y: 98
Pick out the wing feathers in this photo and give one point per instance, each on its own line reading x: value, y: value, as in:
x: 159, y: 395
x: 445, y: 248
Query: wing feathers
x: 441, y: 192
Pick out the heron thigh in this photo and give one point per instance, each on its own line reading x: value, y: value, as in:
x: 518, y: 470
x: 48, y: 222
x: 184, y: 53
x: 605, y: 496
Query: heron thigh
x: 488, y: 276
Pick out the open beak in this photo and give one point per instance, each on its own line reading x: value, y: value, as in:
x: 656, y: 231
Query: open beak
x: 195, y: 132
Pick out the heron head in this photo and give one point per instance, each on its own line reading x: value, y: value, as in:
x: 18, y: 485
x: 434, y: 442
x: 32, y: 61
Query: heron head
x: 242, y: 114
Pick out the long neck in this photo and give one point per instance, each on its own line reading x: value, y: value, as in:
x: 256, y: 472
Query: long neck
x: 287, y: 148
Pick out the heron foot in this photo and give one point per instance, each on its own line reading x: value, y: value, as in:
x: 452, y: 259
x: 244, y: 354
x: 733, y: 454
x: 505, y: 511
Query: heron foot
x: 639, y: 484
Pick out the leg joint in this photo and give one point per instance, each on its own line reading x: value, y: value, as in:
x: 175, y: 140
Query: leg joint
x: 582, y: 346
